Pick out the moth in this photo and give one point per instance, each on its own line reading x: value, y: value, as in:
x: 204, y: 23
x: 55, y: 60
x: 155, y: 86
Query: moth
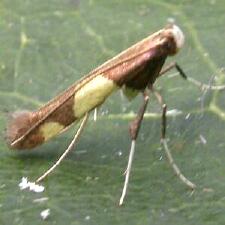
x: 133, y: 70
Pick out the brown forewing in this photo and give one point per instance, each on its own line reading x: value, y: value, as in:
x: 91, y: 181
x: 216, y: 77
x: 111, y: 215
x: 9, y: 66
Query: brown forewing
x: 134, y: 67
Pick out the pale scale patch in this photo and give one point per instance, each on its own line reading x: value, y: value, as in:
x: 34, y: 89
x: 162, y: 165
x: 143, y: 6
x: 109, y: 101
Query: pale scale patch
x: 92, y: 94
x: 179, y: 36
x: 50, y: 129
x: 130, y: 93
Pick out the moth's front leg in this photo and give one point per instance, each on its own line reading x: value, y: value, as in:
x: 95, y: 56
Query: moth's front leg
x: 170, y: 67
x: 197, y: 83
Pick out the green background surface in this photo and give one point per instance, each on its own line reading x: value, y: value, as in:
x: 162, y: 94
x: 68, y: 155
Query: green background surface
x: 48, y: 45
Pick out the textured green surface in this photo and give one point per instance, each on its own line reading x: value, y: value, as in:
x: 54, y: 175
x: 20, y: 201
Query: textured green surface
x: 46, y: 46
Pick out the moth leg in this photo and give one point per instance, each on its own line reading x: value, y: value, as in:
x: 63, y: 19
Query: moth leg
x: 170, y: 67
x: 197, y: 83
x: 69, y: 148
x: 133, y: 130
x: 95, y: 114
x: 165, y: 146
x: 203, y: 86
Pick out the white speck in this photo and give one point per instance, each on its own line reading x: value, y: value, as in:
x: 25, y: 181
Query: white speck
x: 25, y: 184
x: 160, y: 158
x: 159, y: 148
x: 208, y: 190
x: 119, y: 153
x: 3, y: 66
x: 81, y: 152
x: 10, y: 25
x: 202, y: 139
x: 173, y: 112
x: 88, y: 178
x: 2, y: 186
x: 40, y: 200
x: 172, y: 75
x: 58, y: 13
x: 103, y: 156
x: 212, y: 2
x: 187, y: 116
x: 221, y: 145
x: 87, y: 218
x: 222, y: 69
x: 45, y: 214
x: 124, y: 109
x: 171, y: 20
x: 24, y: 39
x: 105, y: 112
x: 175, y: 89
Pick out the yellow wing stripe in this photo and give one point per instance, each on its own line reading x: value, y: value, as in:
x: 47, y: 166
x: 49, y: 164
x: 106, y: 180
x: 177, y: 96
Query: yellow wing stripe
x: 92, y: 94
x: 50, y: 129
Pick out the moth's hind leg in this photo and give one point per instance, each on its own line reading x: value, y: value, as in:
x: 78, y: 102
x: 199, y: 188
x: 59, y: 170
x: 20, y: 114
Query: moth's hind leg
x: 165, y: 145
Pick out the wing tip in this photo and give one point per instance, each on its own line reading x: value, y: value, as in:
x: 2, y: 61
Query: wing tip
x: 18, y: 124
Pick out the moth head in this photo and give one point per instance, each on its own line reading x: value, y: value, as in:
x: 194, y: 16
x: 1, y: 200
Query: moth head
x: 174, y: 38
x: 178, y: 36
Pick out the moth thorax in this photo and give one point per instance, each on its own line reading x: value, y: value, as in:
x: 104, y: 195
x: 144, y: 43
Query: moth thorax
x: 178, y: 36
